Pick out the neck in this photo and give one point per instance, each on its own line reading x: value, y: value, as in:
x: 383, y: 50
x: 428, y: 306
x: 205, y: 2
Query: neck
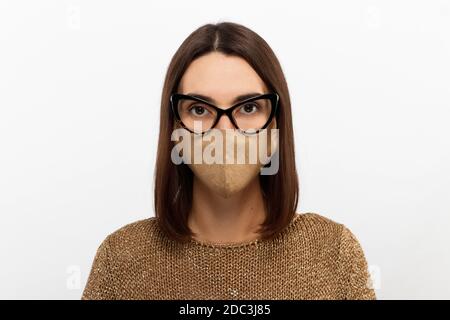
x: 226, y: 220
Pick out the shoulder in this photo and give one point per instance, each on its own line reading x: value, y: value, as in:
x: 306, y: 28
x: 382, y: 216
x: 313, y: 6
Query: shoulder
x: 318, y: 226
x: 132, y: 239
x: 323, y: 231
x: 317, y: 219
x: 136, y: 231
x: 332, y: 240
x: 120, y: 251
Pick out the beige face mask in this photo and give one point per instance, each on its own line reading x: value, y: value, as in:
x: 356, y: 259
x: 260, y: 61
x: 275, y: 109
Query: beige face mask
x: 227, y: 161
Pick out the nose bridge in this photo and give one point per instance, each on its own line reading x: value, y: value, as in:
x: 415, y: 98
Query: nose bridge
x: 224, y: 122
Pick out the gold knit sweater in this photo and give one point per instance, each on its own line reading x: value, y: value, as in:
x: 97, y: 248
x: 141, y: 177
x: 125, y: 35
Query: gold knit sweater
x: 313, y: 258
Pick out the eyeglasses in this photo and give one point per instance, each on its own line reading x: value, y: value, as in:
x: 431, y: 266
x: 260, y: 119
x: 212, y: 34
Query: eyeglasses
x: 248, y: 116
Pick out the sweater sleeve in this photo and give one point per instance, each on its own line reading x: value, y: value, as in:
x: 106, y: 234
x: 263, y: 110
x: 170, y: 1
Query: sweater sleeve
x: 100, y: 284
x: 356, y: 281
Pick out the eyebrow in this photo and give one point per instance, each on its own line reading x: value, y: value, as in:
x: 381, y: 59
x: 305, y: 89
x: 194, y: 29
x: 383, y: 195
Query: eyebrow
x: 236, y: 99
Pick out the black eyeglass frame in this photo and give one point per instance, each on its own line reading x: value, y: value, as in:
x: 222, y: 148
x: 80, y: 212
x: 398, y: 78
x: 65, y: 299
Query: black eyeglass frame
x: 273, y: 96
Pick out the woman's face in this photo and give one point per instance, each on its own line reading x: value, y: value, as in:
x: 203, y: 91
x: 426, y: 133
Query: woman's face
x: 222, y: 78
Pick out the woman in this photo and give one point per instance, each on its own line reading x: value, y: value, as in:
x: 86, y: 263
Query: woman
x: 225, y: 230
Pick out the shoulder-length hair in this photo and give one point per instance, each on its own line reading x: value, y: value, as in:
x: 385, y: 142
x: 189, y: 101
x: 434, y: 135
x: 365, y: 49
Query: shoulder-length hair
x: 173, y: 183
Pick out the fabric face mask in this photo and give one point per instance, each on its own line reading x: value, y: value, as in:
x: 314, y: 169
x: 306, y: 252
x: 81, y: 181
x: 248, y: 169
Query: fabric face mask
x: 226, y: 161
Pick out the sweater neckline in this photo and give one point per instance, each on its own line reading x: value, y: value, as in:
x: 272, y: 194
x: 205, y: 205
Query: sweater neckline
x: 231, y: 245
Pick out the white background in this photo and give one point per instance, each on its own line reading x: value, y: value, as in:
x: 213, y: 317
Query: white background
x: 80, y: 87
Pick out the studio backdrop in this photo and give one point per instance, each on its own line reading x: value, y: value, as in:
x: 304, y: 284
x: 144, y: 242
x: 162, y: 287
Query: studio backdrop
x: 80, y: 96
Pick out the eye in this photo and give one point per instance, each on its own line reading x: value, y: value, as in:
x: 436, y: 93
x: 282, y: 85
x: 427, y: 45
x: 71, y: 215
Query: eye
x: 198, y: 110
x: 249, y: 108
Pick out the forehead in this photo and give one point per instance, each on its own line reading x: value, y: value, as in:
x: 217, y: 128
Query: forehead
x: 221, y: 77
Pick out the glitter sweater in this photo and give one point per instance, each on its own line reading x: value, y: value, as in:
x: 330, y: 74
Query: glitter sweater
x: 312, y: 258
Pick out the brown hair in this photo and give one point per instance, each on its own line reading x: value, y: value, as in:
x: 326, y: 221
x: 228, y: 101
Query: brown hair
x: 173, y: 183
